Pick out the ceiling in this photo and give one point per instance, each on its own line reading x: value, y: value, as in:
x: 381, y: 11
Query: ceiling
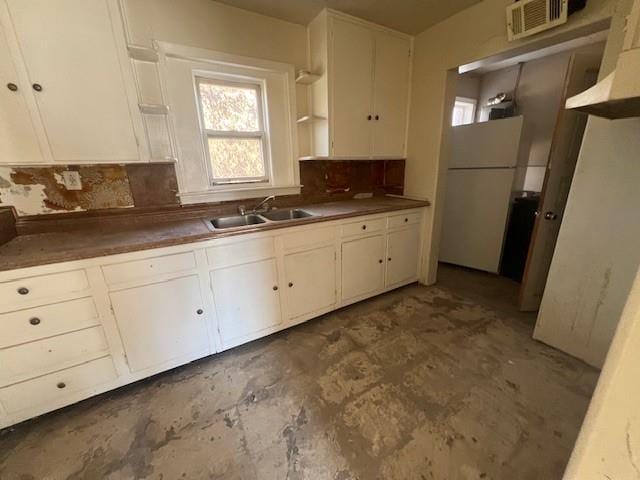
x: 409, y: 16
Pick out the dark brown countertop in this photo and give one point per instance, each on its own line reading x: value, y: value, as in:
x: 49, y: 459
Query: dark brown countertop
x: 113, y: 237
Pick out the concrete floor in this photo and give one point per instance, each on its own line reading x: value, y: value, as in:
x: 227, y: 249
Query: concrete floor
x: 422, y: 383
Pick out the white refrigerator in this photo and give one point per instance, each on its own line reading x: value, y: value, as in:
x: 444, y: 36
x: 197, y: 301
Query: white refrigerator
x: 478, y: 192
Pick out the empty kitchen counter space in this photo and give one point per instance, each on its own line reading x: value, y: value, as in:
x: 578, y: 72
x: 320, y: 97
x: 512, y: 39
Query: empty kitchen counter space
x: 79, y: 237
x: 438, y: 382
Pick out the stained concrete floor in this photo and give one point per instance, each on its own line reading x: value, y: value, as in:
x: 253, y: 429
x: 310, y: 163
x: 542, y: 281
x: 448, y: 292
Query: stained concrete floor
x: 422, y: 383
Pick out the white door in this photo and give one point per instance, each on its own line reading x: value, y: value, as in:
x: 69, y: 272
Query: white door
x: 18, y: 140
x: 403, y: 248
x: 162, y: 322
x: 390, y: 95
x: 247, y: 300
x: 582, y: 73
x: 71, y: 57
x: 352, y: 83
x: 310, y: 281
x: 362, y: 266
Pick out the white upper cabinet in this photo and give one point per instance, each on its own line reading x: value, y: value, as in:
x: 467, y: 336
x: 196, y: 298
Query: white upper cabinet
x: 18, y: 139
x: 363, y: 90
x: 391, y: 95
x: 72, y: 68
x: 352, y: 88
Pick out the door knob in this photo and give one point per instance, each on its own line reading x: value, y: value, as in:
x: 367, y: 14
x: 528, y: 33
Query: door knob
x: 550, y: 216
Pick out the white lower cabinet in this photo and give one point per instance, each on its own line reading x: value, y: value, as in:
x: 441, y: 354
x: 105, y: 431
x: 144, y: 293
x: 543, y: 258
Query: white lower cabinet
x: 247, y: 300
x: 362, y: 266
x: 403, y: 248
x: 161, y: 322
x: 74, y: 330
x: 310, y: 278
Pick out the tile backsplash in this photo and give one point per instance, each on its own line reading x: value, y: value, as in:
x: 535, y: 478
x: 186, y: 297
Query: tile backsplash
x: 40, y: 190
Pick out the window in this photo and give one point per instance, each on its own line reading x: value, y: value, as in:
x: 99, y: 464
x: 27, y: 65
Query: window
x: 233, y: 126
x: 464, y: 111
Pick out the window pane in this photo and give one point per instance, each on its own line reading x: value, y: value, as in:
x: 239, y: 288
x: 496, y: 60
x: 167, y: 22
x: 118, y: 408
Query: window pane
x: 229, y: 108
x: 236, y: 157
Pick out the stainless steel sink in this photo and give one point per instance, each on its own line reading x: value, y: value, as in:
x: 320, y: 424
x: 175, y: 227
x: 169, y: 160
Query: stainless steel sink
x: 289, y: 214
x: 237, y: 221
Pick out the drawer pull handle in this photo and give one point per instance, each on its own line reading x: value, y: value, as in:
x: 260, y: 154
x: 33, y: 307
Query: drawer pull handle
x: 34, y: 321
x: 23, y: 290
x: 61, y: 385
x: 406, y: 220
x: 380, y: 261
x: 290, y: 284
x: 275, y: 287
x: 199, y: 311
x: 364, y: 227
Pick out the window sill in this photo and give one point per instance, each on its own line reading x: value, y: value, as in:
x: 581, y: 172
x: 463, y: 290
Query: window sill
x: 237, y: 193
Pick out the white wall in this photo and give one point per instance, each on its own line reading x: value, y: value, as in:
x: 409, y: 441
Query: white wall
x: 608, y: 446
x: 472, y: 34
x: 214, y: 26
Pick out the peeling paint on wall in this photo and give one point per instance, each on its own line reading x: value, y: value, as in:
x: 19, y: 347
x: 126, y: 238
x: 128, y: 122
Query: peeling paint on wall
x: 38, y: 190
x: 41, y: 190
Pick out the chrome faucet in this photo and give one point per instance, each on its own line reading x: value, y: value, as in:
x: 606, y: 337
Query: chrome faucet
x: 242, y: 210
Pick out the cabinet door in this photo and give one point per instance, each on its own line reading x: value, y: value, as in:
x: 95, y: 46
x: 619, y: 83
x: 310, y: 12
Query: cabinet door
x: 69, y: 48
x: 390, y: 97
x: 362, y: 266
x: 403, y: 250
x: 161, y: 322
x: 351, y: 88
x: 18, y: 140
x: 247, y: 300
x: 310, y: 281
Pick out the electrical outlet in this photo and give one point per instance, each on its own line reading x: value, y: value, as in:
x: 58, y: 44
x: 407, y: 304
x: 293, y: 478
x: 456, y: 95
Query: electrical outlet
x: 72, y: 180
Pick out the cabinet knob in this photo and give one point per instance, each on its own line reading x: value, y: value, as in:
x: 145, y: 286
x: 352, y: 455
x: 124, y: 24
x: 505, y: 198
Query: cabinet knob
x: 380, y: 261
x: 12, y: 86
x: 389, y: 259
x: 61, y: 385
x: 364, y: 227
x: 377, y: 117
x: 290, y: 284
x: 275, y: 287
x: 37, y: 87
x: 199, y: 311
x: 369, y: 117
x: 34, y: 321
x: 406, y: 220
x: 23, y: 290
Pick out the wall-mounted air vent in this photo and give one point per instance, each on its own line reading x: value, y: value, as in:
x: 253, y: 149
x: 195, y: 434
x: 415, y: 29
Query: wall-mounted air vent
x: 528, y: 17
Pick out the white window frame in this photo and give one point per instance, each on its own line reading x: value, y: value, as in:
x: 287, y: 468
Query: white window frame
x: 178, y: 66
x: 262, y: 133
x: 467, y: 102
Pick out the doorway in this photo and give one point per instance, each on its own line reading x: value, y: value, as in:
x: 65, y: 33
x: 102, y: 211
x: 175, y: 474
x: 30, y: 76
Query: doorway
x: 513, y: 153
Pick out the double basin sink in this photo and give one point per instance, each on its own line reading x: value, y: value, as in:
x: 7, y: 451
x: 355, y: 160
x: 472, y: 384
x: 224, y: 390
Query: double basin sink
x: 239, y: 221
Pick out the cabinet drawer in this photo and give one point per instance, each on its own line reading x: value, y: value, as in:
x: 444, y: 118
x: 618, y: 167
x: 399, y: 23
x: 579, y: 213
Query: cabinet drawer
x: 363, y: 226
x: 409, y: 218
x: 27, y: 290
x: 241, y: 252
x: 34, y: 323
x: 308, y: 238
x: 149, y: 267
x: 54, y: 387
x: 50, y: 354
